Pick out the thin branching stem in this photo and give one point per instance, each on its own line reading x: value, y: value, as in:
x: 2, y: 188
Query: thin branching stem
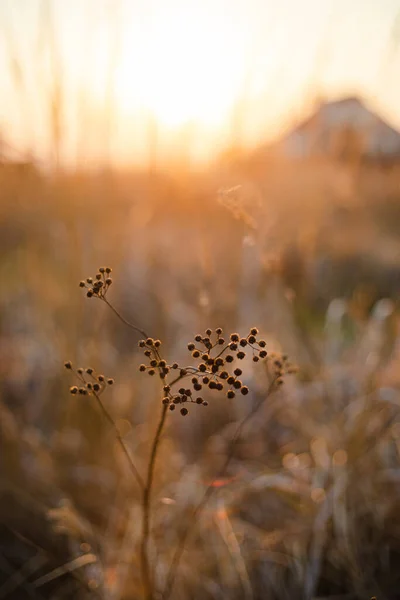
x: 146, y: 509
x: 210, y: 488
x: 121, y: 442
x: 121, y: 318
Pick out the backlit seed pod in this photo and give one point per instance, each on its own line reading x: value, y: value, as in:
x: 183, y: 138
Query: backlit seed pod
x: 254, y: 331
x: 96, y: 387
x: 219, y: 387
x: 243, y: 342
x: 184, y: 411
x: 234, y: 337
x: 73, y: 389
x: 98, y: 276
x: 262, y: 343
x: 214, y: 369
x: 141, y: 343
x: 89, y: 280
x: 110, y: 381
x: 100, y: 378
x: 183, y: 372
x: 108, y: 270
x: 82, y: 284
x: 244, y: 390
x: 208, y: 332
x: 237, y: 372
x: 151, y: 372
x: 80, y: 370
x: 263, y: 353
x: 224, y: 374
x: 149, y: 341
x: 175, y: 365
x: 230, y: 394
x: 142, y: 368
x: 165, y: 400
x: 153, y: 363
x: 188, y: 392
x: 218, y: 331
x: 255, y: 359
x: 191, y: 346
x: 205, y: 403
x: 202, y: 367
x: 240, y: 355
x: 89, y: 293
x: 176, y: 400
x: 233, y: 346
x: 171, y: 407
x: 197, y: 387
x: 157, y: 343
x: 195, y: 354
x: 237, y: 384
x: 199, y: 400
x: 198, y: 338
x: 206, y: 380
x: 229, y: 358
x: 231, y: 380
x: 221, y: 341
x: 68, y: 364
x: 89, y: 386
x: 181, y: 390
x: 252, y: 339
x: 205, y: 357
x: 102, y: 269
x: 162, y: 364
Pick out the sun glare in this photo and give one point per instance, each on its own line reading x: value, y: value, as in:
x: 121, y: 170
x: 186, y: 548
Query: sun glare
x: 187, y: 68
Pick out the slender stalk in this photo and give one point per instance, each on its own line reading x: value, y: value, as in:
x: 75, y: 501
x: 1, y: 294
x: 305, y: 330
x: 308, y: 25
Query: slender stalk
x: 194, y: 517
x: 146, y: 509
x: 121, y: 442
x: 148, y: 485
x: 121, y: 318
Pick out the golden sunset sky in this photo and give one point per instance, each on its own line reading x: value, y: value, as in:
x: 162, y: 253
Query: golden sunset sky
x: 129, y: 77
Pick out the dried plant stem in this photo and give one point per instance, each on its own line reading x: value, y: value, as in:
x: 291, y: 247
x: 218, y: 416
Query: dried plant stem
x: 121, y: 318
x: 195, y: 514
x: 121, y: 442
x: 146, y: 509
x: 146, y: 487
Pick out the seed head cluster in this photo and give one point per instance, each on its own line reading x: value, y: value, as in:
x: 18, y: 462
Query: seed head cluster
x: 280, y: 366
x: 98, y: 285
x: 214, y: 370
x: 91, y: 383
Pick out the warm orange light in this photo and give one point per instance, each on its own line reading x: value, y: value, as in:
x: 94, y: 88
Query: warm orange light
x: 186, y: 67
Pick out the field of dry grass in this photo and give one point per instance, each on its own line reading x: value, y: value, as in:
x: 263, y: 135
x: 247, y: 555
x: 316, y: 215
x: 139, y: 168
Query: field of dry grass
x: 308, y: 505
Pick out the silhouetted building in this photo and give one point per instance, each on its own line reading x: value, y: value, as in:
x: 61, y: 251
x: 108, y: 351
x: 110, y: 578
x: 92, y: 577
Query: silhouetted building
x: 344, y: 130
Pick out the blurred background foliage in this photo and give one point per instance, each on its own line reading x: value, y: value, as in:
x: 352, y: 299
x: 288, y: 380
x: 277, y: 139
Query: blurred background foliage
x: 305, y: 246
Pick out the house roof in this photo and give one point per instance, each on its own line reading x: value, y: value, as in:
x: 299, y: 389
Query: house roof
x: 379, y: 138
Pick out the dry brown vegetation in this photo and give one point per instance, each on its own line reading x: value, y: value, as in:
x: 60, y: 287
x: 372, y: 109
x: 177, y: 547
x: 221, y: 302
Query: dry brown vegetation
x: 309, y: 505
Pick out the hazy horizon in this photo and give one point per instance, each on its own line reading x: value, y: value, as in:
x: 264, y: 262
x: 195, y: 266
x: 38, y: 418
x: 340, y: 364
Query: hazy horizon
x: 125, y: 82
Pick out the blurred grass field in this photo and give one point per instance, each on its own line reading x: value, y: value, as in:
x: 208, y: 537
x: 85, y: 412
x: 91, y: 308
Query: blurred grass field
x: 308, y: 252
